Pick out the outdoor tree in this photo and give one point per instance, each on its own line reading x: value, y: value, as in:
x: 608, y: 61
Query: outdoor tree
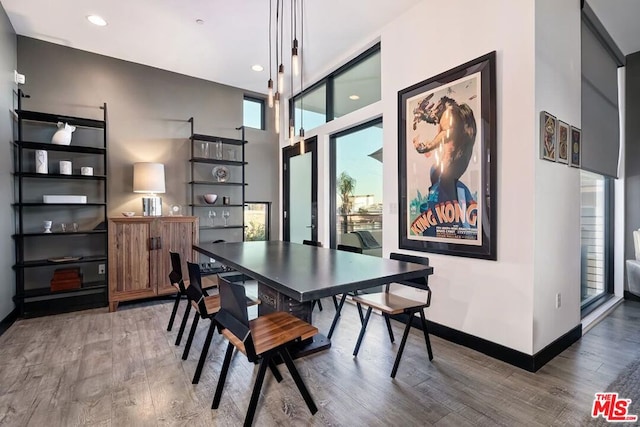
x: 346, y: 187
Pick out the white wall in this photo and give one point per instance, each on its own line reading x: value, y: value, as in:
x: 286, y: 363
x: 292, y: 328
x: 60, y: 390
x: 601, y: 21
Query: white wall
x: 557, y: 186
x: 489, y: 299
x: 8, y: 59
x: 510, y: 301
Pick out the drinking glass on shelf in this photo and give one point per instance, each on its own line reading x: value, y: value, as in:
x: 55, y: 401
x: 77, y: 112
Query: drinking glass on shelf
x: 225, y: 216
x: 212, y: 218
x: 204, y: 150
x: 218, y: 147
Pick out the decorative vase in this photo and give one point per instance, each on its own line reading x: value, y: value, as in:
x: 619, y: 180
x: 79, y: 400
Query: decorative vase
x: 41, y: 162
x: 63, y: 134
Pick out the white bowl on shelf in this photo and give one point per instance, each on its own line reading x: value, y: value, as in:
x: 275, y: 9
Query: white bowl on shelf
x: 128, y: 214
x: 209, y: 198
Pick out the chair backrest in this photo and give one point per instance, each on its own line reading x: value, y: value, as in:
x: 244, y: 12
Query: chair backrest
x: 176, y: 271
x: 233, y: 314
x: 312, y: 243
x: 348, y: 248
x: 194, y: 290
x: 419, y: 282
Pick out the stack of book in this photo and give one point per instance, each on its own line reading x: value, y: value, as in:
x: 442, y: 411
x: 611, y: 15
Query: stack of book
x: 66, y: 278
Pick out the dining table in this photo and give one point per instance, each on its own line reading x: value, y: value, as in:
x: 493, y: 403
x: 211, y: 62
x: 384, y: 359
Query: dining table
x: 291, y: 276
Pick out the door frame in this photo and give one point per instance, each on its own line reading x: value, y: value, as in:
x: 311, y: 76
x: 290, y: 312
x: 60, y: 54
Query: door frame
x: 310, y: 146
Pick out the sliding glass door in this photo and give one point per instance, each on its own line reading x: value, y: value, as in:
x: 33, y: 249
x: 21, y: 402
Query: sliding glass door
x: 300, y: 193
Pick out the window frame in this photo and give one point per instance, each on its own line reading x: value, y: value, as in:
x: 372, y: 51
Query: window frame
x: 261, y: 102
x: 328, y: 81
x: 332, y: 173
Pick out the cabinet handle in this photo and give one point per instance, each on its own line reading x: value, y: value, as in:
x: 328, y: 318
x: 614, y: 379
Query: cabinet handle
x: 152, y: 243
x: 159, y: 243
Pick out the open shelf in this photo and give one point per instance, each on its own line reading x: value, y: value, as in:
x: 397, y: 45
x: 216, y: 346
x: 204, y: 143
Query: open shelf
x: 216, y: 183
x: 55, y: 118
x: 47, y: 263
x: 59, y: 233
x: 217, y: 161
x: 211, y: 138
x: 31, y: 293
x: 59, y: 176
x: 216, y: 206
x: 63, y: 148
x: 58, y: 204
x: 221, y: 227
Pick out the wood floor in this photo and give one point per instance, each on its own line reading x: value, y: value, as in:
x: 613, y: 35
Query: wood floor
x: 122, y: 369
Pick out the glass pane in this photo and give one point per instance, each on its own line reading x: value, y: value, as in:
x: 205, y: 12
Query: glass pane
x: 252, y: 113
x: 256, y: 221
x: 312, y: 109
x: 359, y: 189
x: 300, y: 198
x: 357, y: 87
x: 592, y: 234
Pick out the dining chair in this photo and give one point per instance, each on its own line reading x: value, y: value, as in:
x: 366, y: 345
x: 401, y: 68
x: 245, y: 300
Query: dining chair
x: 318, y: 301
x: 206, y: 307
x: 390, y: 303
x: 260, y: 340
x: 176, y: 279
x: 357, y: 250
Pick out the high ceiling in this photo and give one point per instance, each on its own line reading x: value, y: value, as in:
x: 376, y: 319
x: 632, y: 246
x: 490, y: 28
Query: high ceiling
x: 234, y: 33
x: 232, y: 37
x: 621, y: 18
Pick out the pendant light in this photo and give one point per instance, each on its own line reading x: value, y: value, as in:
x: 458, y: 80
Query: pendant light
x: 301, y: 71
x: 270, y: 82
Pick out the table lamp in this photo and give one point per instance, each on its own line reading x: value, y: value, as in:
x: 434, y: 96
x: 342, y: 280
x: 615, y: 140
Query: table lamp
x: 149, y: 178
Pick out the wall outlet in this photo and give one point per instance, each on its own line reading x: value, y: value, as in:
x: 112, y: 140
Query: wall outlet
x: 558, y: 300
x: 101, y: 269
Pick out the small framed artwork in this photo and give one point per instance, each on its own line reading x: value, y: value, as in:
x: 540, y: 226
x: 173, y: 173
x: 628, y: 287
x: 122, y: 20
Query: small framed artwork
x: 547, y: 136
x: 563, y: 142
x: 576, y: 147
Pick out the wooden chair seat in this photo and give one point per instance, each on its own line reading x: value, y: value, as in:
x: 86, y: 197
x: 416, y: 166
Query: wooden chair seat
x: 387, y: 302
x: 212, y: 303
x: 273, y: 330
x: 208, y: 282
x: 260, y: 340
x: 392, y: 304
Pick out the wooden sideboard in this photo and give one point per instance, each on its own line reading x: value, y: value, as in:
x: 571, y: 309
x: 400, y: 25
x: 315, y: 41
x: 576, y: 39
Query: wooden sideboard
x: 139, y: 263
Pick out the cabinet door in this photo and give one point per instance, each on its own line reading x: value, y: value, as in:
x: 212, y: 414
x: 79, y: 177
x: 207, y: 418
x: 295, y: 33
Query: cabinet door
x: 177, y: 234
x: 130, y: 268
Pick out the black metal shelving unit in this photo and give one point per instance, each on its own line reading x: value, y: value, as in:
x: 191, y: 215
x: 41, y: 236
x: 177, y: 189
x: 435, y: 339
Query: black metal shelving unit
x: 237, y: 186
x: 34, y: 296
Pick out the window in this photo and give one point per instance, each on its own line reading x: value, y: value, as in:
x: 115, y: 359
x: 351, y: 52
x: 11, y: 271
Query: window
x: 357, y: 87
x: 595, y: 235
x: 349, y: 88
x: 257, y: 221
x: 357, y: 187
x: 253, y: 112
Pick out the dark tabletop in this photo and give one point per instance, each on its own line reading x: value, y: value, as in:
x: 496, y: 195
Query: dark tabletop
x: 305, y: 273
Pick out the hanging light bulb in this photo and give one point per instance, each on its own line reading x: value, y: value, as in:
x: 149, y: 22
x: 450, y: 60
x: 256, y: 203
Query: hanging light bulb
x: 270, y: 87
x: 295, y: 61
x: 276, y: 99
x: 281, y: 78
x: 292, y: 130
x: 301, y: 141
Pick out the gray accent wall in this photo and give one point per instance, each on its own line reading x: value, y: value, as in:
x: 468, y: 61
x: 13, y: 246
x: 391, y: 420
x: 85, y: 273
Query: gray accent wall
x: 8, y: 57
x: 632, y: 153
x: 148, y: 109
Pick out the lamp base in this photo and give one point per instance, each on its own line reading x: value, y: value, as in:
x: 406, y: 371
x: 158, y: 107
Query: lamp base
x: 151, y: 206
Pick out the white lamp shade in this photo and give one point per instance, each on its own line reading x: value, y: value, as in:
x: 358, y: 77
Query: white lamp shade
x: 148, y: 178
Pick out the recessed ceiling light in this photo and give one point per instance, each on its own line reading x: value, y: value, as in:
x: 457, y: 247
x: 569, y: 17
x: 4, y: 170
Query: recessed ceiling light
x: 257, y: 67
x: 354, y: 97
x: 199, y: 21
x: 97, y: 20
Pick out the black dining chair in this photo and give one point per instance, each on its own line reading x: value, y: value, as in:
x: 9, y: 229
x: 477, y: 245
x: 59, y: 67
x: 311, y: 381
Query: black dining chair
x: 356, y: 250
x: 206, y: 307
x: 390, y: 304
x: 260, y: 340
x: 176, y: 279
